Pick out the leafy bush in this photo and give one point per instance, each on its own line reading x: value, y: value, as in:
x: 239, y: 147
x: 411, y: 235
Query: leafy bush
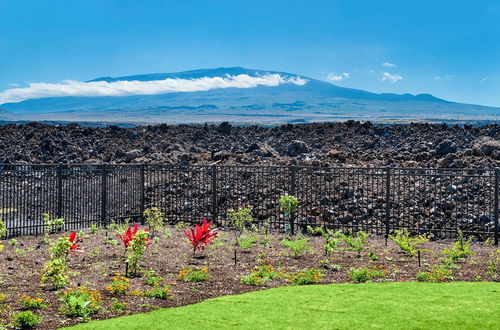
x: 3, y: 231
x: 493, y: 268
x: 119, y: 285
x: 261, y: 274
x: 288, y: 204
x: 159, y: 292
x: 460, y: 250
x: 241, y: 218
x: 152, y: 280
x: 135, y: 242
x: 332, y: 238
x: 193, y: 274
x: 439, y: 273
x: 56, y: 268
x: 81, y: 302
x: 361, y: 275
x: 247, y: 241
x: 118, y: 306
x: 52, y: 225
x: 155, y: 219
x: 307, y: 276
x: 297, y: 246
x: 32, y: 303
x: 355, y: 243
x: 201, y: 235
x: 26, y: 320
x: 407, y: 244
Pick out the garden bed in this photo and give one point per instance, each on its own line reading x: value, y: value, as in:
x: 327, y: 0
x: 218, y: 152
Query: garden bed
x: 102, y: 258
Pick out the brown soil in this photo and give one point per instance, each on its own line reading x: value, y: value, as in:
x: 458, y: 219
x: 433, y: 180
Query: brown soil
x: 21, y: 267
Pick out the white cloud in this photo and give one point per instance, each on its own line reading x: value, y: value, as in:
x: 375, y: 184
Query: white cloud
x: 392, y: 78
x: 437, y: 78
x: 483, y: 80
x: 389, y: 65
x: 124, y: 88
x: 338, y: 77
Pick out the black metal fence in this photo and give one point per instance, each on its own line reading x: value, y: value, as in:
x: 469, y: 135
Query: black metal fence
x: 377, y: 200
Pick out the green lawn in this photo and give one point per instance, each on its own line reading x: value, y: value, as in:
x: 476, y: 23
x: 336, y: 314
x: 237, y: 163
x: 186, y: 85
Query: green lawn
x: 408, y: 305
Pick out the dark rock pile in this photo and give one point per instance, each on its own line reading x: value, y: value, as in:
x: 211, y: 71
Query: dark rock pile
x: 326, y: 144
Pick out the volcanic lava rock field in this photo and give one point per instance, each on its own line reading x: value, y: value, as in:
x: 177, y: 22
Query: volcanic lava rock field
x: 326, y: 144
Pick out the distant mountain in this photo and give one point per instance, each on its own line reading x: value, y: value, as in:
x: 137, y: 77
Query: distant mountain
x: 312, y: 100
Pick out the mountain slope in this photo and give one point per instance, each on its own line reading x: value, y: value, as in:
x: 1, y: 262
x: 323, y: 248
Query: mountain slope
x: 313, y: 100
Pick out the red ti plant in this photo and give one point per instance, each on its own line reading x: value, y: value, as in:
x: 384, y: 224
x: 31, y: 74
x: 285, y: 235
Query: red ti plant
x: 74, y: 247
x: 129, y: 236
x: 201, y: 235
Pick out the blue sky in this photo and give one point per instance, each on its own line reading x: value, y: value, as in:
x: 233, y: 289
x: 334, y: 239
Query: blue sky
x: 447, y: 48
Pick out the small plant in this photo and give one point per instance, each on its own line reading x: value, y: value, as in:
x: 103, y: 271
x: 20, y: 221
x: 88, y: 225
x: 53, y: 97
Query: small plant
x: 407, y: 244
x: 94, y: 252
x: 288, y: 204
x: 297, y: 246
x: 93, y: 229
x: 3, y: 231
x: 493, y: 268
x: 13, y: 242
x: 460, y: 250
x: 332, y: 238
x: 355, y: 243
x: 159, y: 292
x: 56, y: 268
x: 26, y: 320
x: 246, y: 242
x: 81, y: 302
x: 167, y: 233
x: 361, y: 275
x: 262, y: 273
x: 201, y: 235
x: 155, y: 219
x: 152, y: 280
x: 135, y: 242
x: 307, y: 276
x: 372, y: 254
x: 180, y: 225
x: 194, y: 274
x: 119, y: 285
x: 32, y: 303
x: 241, y: 218
x: 52, y: 225
x: 118, y: 306
x: 439, y: 273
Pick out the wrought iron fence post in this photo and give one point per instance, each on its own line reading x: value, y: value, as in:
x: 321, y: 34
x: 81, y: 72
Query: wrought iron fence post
x: 142, y: 188
x: 293, y: 170
x: 59, y: 190
x: 387, y: 202
x: 497, y: 174
x: 104, y: 193
x: 214, y: 194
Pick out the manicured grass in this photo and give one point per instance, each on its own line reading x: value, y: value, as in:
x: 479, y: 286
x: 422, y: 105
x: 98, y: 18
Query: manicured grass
x: 410, y: 305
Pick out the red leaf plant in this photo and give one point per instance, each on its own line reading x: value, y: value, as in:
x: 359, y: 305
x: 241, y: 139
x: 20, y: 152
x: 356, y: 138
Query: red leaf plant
x: 201, y: 235
x: 75, y: 247
x: 128, y: 237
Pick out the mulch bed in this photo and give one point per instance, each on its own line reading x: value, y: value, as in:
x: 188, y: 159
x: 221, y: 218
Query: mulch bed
x: 21, y: 269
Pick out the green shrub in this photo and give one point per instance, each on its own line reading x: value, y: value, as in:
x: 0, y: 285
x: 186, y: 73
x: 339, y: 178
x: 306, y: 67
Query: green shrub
x: 52, y: 225
x: 355, y: 243
x: 361, y: 275
x: 297, y: 246
x: 32, y: 303
x: 306, y: 276
x: 155, y: 220
x: 151, y: 279
x: 439, y: 273
x: 260, y: 274
x: 247, y: 241
x: 26, y: 320
x: 407, y: 244
x: 288, y: 204
x: 194, y: 275
x: 3, y: 229
x: 460, y: 250
x: 493, y: 268
x: 332, y: 238
x: 159, y: 292
x: 118, y: 306
x: 81, y: 302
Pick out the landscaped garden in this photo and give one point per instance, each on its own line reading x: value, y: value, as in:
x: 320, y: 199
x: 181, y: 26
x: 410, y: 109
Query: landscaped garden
x: 61, y: 279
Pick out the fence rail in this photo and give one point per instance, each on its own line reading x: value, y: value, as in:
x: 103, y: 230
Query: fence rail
x: 378, y: 200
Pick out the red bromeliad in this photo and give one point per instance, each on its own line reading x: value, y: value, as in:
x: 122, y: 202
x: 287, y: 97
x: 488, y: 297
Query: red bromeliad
x: 128, y: 237
x: 201, y: 235
x: 75, y: 247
